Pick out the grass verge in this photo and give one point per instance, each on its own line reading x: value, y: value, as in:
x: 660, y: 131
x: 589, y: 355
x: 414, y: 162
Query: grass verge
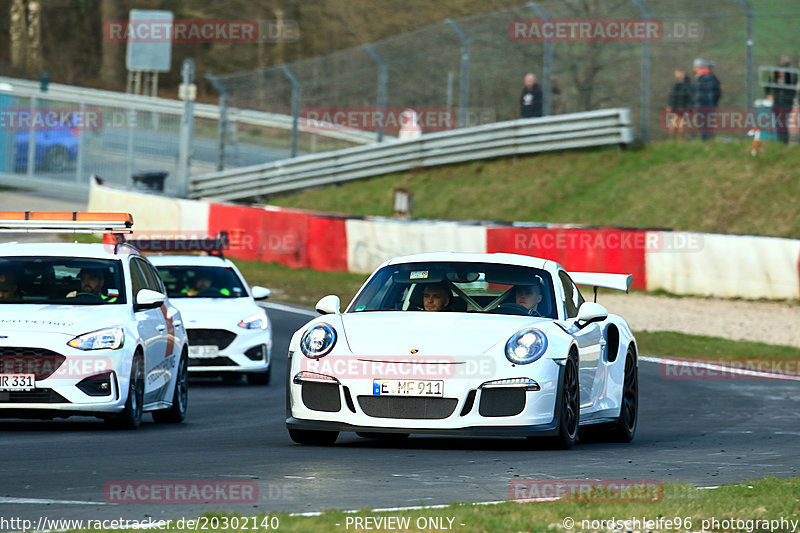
x: 691, y: 186
x: 673, y: 344
x: 750, y: 506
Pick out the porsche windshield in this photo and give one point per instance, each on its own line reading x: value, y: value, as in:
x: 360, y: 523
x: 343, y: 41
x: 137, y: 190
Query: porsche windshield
x: 61, y: 280
x: 459, y: 287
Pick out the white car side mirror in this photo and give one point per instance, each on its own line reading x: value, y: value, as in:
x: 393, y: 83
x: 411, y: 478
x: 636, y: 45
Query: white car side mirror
x: 147, y: 299
x: 260, y: 293
x: 329, y: 305
x: 591, y: 312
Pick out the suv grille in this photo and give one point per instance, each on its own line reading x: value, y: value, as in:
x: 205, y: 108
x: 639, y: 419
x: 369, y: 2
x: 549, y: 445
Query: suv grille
x: 220, y: 338
x: 38, y: 361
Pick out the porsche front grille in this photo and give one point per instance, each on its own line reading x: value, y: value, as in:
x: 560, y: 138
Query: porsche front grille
x: 407, y: 408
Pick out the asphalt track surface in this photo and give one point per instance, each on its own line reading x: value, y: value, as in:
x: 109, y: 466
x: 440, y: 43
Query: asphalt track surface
x: 705, y: 432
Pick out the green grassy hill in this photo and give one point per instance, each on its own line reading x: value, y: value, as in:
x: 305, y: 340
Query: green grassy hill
x: 711, y: 187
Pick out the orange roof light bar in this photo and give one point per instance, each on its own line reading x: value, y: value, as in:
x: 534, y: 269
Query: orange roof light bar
x: 69, y: 221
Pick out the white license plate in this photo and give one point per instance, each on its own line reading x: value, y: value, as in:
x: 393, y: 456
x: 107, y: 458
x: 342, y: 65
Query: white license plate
x: 17, y: 381
x: 407, y: 387
x: 201, y: 352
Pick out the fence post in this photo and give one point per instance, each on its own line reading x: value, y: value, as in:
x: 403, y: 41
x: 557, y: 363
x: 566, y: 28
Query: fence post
x: 644, y: 119
x: 463, y: 84
x: 32, y: 140
x: 547, y: 62
x: 748, y: 12
x: 187, y: 127
x: 222, y: 122
x: 382, y: 77
x: 296, y: 87
x: 81, y: 146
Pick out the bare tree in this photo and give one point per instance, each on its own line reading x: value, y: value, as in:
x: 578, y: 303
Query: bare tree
x: 111, y: 56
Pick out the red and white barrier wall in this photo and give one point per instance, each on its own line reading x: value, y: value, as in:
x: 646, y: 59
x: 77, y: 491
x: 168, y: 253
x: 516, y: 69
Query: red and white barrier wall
x: 677, y: 262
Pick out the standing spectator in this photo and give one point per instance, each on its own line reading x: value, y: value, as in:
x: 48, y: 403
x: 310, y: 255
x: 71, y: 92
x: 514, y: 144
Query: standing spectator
x: 782, y: 97
x: 530, y: 103
x: 706, y: 92
x: 680, y: 100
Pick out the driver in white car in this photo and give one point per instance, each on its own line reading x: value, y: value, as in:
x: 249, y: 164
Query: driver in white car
x: 528, y: 296
x: 92, y: 281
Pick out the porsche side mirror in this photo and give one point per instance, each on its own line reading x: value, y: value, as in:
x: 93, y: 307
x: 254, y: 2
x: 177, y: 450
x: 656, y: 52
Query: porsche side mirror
x: 591, y: 312
x: 329, y: 305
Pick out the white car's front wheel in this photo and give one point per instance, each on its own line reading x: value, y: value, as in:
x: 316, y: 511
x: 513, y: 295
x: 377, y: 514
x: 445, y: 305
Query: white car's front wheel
x: 131, y: 415
x: 180, y: 398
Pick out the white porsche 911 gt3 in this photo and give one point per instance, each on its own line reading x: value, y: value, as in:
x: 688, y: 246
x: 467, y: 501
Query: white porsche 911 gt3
x: 467, y: 344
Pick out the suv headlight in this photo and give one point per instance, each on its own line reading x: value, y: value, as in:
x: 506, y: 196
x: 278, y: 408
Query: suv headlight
x: 526, y: 346
x: 256, y: 321
x: 318, y: 341
x: 103, y: 339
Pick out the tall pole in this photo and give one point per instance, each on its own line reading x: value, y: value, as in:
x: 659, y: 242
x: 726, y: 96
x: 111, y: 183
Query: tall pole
x: 748, y: 12
x: 296, y: 87
x: 547, y: 62
x: 382, y: 79
x: 187, y: 126
x: 644, y: 118
x: 463, y: 84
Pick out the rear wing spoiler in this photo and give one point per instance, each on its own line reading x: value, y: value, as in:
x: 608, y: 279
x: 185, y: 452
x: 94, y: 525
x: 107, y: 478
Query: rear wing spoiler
x: 619, y: 282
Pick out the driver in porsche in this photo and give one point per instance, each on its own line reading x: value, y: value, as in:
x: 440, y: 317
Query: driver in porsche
x: 528, y: 296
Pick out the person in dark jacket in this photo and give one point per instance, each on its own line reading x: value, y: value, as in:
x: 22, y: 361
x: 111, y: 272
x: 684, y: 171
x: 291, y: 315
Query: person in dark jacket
x: 680, y: 100
x: 706, y: 92
x: 530, y: 102
x: 782, y: 97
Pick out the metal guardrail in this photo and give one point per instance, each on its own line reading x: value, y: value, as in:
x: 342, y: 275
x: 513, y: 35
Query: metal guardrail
x: 97, y: 97
x: 523, y: 136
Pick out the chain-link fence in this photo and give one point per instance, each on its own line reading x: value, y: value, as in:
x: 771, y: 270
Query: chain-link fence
x: 474, y: 66
x: 58, y: 144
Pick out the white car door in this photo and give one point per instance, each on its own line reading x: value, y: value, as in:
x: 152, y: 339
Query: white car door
x: 589, y: 340
x: 153, y: 332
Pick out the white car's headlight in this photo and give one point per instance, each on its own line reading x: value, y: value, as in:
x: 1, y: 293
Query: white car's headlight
x: 526, y: 346
x: 256, y: 321
x: 318, y: 341
x: 103, y: 339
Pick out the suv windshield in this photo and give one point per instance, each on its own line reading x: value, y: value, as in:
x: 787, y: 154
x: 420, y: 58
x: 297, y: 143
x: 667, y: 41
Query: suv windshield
x: 201, y: 282
x: 459, y: 287
x: 61, y: 280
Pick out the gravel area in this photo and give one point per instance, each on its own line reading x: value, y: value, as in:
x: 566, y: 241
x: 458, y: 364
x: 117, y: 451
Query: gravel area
x: 769, y: 322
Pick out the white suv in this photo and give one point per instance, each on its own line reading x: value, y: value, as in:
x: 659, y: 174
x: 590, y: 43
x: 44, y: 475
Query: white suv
x: 87, y: 329
x: 229, y: 334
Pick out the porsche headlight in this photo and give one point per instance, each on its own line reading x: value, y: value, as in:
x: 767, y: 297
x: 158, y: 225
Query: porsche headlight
x: 103, y: 339
x: 256, y: 321
x: 526, y: 346
x: 318, y: 341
